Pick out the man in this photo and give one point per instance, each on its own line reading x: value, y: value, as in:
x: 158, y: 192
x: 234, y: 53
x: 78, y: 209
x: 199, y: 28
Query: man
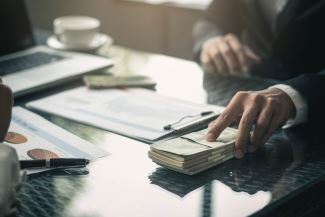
x: 5, y: 109
x: 279, y: 39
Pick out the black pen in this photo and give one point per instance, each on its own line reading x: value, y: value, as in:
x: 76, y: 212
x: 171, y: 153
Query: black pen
x: 54, y: 163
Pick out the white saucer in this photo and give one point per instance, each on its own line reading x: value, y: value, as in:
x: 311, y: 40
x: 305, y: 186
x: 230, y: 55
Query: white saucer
x: 97, y: 42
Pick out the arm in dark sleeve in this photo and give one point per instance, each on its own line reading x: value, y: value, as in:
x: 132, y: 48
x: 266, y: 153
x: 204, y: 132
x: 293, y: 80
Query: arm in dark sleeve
x: 312, y: 88
x: 220, y: 18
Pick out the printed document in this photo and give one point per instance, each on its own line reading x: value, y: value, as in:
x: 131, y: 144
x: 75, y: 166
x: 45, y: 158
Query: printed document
x: 133, y: 112
x: 35, y: 138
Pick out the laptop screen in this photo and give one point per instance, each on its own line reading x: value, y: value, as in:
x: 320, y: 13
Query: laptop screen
x: 16, y: 32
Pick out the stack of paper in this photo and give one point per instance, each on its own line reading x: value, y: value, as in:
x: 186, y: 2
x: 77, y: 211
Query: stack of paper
x: 35, y: 138
x: 131, y: 112
x: 191, y: 154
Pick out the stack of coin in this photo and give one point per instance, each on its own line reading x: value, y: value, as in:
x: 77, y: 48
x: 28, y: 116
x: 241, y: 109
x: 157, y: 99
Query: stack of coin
x: 191, y: 153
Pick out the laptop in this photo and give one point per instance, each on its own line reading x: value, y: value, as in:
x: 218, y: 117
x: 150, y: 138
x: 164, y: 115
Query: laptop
x: 27, y: 68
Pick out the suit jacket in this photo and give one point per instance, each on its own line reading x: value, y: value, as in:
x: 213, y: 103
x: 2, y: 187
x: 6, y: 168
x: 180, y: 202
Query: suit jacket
x: 293, y: 53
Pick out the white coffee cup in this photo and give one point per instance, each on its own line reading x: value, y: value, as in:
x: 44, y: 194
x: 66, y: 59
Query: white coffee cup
x: 76, y: 30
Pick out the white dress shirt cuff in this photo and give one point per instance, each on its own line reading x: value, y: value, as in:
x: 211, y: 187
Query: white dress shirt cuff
x: 299, y: 102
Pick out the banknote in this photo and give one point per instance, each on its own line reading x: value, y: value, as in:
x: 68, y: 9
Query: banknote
x: 226, y: 137
x: 191, y: 153
x: 195, y: 143
x: 110, y: 81
x: 189, y: 163
x: 193, y: 157
x: 196, y: 169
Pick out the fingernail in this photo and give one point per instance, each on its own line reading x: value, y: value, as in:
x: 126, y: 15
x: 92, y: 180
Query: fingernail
x: 239, y: 153
x: 210, y: 137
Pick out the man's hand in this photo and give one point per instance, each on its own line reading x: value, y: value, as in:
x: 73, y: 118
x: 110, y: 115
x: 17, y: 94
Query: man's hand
x: 261, y: 112
x: 226, y: 55
x: 6, y: 102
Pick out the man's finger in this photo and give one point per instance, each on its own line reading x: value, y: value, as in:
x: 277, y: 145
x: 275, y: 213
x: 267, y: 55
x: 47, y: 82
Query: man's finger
x: 244, y: 129
x: 238, y: 49
x: 225, y: 119
x: 261, y: 126
x: 207, y: 63
x: 211, y: 124
x: 237, y: 120
x: 217, y: 59
x: 229, y: 57
x: 219, y: 125
x: 251, y: 55
x: 276, y: 122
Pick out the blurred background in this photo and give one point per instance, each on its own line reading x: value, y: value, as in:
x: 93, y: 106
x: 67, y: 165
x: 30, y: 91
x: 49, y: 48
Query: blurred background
x: 158, y: 26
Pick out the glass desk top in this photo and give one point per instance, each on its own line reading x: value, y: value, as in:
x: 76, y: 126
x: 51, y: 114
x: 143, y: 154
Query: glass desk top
x: 128, y: 183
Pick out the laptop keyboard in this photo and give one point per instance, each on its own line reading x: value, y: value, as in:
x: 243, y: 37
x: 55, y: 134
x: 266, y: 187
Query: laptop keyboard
x: 28, y: 61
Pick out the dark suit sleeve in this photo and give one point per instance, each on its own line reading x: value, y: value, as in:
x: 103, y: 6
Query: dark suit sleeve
x: 221, y: 17
x: 312, y: 88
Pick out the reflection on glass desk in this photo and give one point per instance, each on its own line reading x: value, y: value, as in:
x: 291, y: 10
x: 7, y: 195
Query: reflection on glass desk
x: 128, y: 183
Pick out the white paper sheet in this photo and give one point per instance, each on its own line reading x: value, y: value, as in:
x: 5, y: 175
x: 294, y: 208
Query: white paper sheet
x: 133, y: 112
x: 33, y: 137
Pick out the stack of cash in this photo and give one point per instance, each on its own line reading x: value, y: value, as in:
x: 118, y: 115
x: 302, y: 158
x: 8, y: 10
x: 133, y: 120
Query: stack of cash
x: 110, y: 81
x: 191, y: 153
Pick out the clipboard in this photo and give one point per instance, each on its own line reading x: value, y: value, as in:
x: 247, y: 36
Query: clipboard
x: 136, y: 113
